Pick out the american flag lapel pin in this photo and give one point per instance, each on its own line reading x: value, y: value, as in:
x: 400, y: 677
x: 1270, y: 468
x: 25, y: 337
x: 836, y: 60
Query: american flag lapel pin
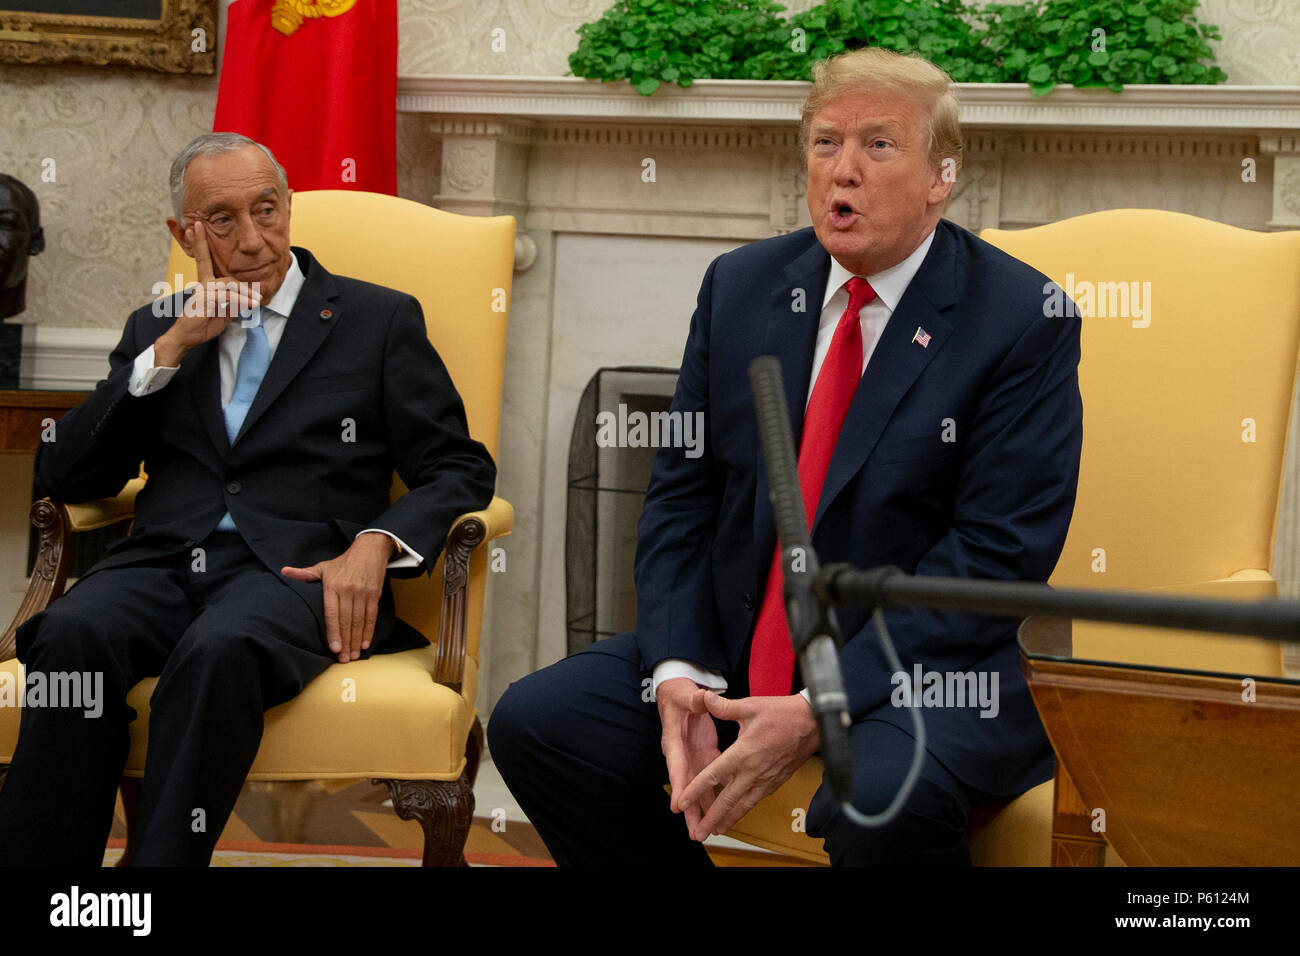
x: 922, y: 336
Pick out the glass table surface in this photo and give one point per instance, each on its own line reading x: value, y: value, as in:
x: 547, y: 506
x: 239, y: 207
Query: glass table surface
x: 1139, y: 647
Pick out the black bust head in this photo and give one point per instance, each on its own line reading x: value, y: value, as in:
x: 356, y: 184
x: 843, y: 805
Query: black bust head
x: 21, y: 236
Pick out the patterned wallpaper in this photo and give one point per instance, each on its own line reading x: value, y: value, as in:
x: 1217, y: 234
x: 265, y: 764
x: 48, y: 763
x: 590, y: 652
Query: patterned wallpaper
x: 1261, y: 40
x: 456, y: 36
x: 111, y: 137
x: 112, y: 133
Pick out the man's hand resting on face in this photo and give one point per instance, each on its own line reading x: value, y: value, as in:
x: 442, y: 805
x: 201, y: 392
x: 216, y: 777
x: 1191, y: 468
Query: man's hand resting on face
x: 777, y: 734
x: 351, y: 584
x: 213, y: 305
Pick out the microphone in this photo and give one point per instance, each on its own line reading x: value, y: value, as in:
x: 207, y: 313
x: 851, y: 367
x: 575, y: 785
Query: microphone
x: 814, y: 631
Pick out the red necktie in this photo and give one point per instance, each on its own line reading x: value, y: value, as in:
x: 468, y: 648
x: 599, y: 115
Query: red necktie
x: 771, y: 659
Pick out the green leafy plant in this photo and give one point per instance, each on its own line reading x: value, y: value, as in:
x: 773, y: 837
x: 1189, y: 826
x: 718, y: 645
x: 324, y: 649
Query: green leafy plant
x: 1044, y: 43
x: 649, y: 42
x: 1109, y: 43
x: 940, y: 30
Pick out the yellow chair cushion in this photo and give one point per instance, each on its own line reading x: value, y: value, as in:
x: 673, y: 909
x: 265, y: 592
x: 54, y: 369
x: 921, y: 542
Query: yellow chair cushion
x: 1020, y: 834
x: 11, y: 694
x: 391, y: 721
x: 777, y: 823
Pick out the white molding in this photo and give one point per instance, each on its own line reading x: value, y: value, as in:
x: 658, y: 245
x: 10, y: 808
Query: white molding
x: 65, y: 358
x: 983, y: 105
x: 567, y: 97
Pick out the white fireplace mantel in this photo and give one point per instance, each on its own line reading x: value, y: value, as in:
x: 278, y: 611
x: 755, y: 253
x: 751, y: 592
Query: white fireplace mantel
x: 983, y: 105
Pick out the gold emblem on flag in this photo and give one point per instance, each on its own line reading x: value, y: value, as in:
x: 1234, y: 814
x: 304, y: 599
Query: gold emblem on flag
x: 287, y: 15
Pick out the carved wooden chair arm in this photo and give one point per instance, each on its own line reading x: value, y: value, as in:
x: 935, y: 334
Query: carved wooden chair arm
x: 468, y: 532
x: 55, y: 523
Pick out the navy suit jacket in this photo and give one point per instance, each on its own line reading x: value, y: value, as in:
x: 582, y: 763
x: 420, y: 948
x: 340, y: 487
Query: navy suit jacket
x: 298, y: 481
x: 994, y: 503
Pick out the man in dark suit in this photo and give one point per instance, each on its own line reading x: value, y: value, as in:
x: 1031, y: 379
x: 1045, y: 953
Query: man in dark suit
x: 264, y: 535
x: 938, y: 424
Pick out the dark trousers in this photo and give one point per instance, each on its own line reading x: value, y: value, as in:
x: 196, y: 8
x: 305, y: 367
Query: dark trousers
x: 579, y: 747
x: 227, y: 640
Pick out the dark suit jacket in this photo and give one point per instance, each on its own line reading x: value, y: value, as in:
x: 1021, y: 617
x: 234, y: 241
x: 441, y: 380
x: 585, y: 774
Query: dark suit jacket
x: 352, y: 354
x: 994, y: 503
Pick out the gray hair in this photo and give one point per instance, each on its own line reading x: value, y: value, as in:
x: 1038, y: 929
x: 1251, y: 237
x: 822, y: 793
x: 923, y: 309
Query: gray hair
x: 212, y: 144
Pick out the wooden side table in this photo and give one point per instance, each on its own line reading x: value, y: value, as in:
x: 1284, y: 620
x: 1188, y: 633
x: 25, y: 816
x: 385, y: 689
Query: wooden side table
x: 22, y: 412
x: 1177, y: 749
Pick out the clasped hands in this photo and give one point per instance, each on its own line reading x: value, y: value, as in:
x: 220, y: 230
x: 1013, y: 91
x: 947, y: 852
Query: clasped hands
x: 777, y: 734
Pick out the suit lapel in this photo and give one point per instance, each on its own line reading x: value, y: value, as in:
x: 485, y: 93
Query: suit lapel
x: 791, y: 337
x: 314, y: 315
x: 896, y: 362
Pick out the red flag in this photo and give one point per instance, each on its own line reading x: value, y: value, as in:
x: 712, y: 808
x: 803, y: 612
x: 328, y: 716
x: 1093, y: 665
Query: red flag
x: 323, y: 98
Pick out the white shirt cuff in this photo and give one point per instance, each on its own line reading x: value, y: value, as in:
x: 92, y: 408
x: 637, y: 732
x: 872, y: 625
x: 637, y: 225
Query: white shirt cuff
x: 145, y: 379
x: 406, y: 556
x: 806, y: 696
x: 674, y: 667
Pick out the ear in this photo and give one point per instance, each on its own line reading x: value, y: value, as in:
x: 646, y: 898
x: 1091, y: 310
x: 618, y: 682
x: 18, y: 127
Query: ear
x: 179, y: 235
x: 944, y: 178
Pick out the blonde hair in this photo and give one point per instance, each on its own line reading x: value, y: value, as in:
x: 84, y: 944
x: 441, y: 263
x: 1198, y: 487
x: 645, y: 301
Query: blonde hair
x: 875, y: 68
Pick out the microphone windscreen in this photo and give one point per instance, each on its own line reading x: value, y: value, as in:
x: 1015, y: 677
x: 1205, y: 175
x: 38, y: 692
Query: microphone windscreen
x: 778, y: 451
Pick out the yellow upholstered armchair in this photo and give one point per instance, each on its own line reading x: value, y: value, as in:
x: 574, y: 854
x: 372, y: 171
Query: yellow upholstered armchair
x: 414, y: 728
x: 1171, y: 487
x: 1187, y: 398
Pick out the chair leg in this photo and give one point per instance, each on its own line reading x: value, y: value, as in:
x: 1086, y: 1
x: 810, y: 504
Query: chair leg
x: 130, y: 789
x: 444, y: 809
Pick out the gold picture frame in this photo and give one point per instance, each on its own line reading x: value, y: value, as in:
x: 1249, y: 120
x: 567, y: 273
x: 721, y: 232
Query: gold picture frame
x: 182, y: 38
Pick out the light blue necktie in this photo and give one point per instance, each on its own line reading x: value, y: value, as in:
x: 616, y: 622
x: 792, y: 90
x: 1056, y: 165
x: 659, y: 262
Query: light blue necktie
x: 254, y: 358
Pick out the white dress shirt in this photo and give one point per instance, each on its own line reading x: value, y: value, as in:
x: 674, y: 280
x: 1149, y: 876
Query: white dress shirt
x: 147, y: 379
x: 889, y: 284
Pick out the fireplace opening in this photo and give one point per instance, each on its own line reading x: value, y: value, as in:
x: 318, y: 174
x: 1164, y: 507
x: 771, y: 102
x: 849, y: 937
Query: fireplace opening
x: 609, y: 470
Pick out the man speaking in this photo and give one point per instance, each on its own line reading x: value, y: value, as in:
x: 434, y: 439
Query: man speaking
x: 938, y: 424
x: 264, y: 535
